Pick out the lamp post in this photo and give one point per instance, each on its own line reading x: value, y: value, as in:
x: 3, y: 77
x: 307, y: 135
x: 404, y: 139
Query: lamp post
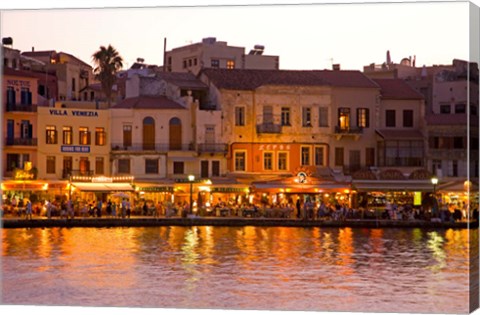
x: 434, y: 183
x: 191, y: 178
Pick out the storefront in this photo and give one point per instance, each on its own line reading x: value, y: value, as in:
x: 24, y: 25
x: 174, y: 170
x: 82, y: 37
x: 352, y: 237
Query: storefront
x: 289, y: 190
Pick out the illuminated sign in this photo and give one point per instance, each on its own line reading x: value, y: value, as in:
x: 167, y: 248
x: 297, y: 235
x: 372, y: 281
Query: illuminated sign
x: 75, y: 148
x: 102, y: 179
x: 302, y: 177
x: 417, y: 198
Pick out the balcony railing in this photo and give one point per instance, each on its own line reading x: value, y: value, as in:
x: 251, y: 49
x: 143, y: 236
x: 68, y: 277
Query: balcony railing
x: 348, y: 130
x: 269, y: 128
x: 21, y: 108
x: 212, y: 148
x: 157, y: 147
x: 67, y: 172
x: 21, y: 141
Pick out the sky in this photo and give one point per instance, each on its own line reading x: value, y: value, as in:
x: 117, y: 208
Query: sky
x: 305, y: 36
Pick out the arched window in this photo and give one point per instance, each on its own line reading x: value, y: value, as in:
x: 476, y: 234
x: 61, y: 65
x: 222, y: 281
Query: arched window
x: 148, y: 133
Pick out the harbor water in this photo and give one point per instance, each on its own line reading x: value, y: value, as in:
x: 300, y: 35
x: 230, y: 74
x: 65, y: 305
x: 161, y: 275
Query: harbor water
x: 242, y: 268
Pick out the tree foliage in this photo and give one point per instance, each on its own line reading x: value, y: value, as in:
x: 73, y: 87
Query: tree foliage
x: 107, y: 62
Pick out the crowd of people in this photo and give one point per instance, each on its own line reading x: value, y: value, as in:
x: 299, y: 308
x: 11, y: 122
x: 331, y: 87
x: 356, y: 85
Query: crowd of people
x: 307, y: 209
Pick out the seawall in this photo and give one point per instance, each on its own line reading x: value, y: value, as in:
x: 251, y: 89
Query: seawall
x: 202, y: 221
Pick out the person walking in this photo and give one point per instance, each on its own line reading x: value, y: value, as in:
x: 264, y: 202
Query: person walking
x: 28, y: 210
x: 99, y: 208
x: 298, y: 206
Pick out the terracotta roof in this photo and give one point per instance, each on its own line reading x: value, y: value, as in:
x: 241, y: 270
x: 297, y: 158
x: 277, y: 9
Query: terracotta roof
x: 243, y: 79
x: 449, y: 119
x: 397, y: 89
x: 400, y: 134
x: 18, y: 73
x: 184, y: 80
x: 148, y: 102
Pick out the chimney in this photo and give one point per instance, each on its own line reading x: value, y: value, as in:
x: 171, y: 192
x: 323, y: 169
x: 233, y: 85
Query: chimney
x: 33, y: 49
x: 336, y: 67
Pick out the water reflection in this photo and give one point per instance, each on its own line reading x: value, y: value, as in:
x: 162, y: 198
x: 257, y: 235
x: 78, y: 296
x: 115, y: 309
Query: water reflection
x: 323, y: 269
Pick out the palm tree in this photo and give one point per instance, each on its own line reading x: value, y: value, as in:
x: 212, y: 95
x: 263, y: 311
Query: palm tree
x: 107, y: 62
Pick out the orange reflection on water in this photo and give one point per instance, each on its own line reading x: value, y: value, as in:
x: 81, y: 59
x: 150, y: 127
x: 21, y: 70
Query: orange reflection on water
x: 345, y: 249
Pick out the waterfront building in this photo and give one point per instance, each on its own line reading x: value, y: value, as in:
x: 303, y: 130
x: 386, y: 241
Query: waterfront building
x: 73, y: 75
x: 210, y: 53
x: 19, y: 144
x: 285, y: 124
x: 451, y: 119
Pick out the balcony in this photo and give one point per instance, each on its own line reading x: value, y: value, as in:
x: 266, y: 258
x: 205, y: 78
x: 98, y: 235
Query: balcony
x: 67, y: 172
x: 156, y: 147
x: 21, y: 108
x: 21, y: 141
x: 269, y: 128
x: 212, y: 148
x: 341, y: 132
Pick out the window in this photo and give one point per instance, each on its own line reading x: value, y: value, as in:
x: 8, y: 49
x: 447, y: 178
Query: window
x: 99, y: 166
x: 320, y: 156
x: 124, y: 166
x: 460, y: 108
x: 458, y: 143
x: 239, y: 116
x: 473, y: 110
x: 230, y: 64
x: 323, y: 117
x: 455, y: 168
x: 84, y: 136
x: 50, y: 165
x: 11, y: 95
x: 285, y: 116
x: 282, y: 161
x: 127, y: 135
x: 354, y: 160
x: 267, y: 161
x: 151, y: 166
x: 363, y: 118
x: 445, y: 109
x: 100, y: 136
x: 390, y: 118
x: 306, y: 117
x: 305, y: 156
x: 178, y: 168
x: 240, y: 160
x: 67, y: 135
x: 185, y: 64
x: 344, y: 118
x: 25, y: 96
x: 408, y: 118
x: 84, y: 166
x: 338, y: 156
x: 216, y: 168
x: 369, y: 157
x: 215, y: 63
x: 51, y: 135
x: 73, y: 84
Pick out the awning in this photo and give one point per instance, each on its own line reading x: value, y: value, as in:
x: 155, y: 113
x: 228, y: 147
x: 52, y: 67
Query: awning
x: 392, y: 185
x: 105, y: 187
x: 407, y: 134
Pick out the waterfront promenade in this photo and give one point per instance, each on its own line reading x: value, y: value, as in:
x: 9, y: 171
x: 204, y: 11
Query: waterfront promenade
x: 146, y: 221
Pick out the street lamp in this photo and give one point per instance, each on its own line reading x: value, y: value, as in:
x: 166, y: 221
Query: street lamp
x: 434, y: 183
x: 191, y: 178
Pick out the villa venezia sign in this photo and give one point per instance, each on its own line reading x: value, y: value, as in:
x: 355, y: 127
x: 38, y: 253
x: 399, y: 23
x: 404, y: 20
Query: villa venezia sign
x: 78, y: 113
x: 75, y: 148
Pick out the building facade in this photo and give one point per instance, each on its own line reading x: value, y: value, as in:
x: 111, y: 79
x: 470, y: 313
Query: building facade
x: 210, y: 53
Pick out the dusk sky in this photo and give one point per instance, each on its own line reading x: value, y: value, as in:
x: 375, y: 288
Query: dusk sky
x: 304, y: 36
